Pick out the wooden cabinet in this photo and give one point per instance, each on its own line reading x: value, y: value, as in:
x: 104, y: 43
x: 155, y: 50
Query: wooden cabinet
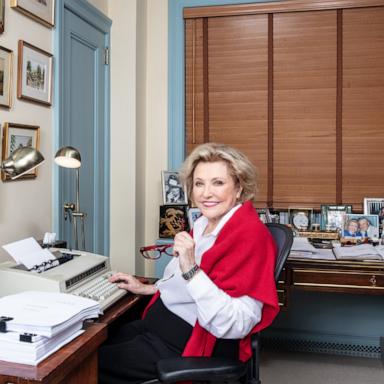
x: 298, y: 87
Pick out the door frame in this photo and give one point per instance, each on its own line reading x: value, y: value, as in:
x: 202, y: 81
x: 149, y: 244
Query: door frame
x: 101, y: 22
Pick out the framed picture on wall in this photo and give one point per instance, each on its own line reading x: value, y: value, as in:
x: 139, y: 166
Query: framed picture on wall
x: 6, y: 57
x: 2, y: 16
x: 19, y: 135
x: 42, y: 11
x: 34, y: 77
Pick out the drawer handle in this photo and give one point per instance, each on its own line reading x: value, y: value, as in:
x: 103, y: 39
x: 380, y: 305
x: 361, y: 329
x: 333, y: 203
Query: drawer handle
x: 373, y: 280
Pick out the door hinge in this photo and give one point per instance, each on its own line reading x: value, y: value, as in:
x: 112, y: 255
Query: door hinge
x: 106, y: 56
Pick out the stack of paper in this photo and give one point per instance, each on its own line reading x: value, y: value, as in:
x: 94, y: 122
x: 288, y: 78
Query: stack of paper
x: 302, y: 248
x: 53, y: 319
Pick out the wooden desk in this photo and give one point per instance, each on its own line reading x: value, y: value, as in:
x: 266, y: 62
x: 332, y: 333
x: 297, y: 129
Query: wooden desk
x: 76, y: 362
x: 331, y: 276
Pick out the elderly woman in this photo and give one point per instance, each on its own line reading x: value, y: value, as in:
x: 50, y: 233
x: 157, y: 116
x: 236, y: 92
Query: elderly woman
x: 217, y: 290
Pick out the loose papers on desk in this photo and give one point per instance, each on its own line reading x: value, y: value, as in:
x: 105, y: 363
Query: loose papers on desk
x: 53, y: 319
x: 302, y: 248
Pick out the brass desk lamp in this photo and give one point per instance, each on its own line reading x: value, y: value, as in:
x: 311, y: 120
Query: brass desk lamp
x: 69, y: 157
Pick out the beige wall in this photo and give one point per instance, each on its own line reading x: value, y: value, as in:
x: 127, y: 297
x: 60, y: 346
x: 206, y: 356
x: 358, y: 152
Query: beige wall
x: 25, y: 205
x: 138, y: 126
x: 138, y: 131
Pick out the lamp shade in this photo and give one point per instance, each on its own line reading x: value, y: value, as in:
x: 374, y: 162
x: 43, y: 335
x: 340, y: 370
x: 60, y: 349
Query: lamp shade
x: 68, y: 157
x: 21, y: 161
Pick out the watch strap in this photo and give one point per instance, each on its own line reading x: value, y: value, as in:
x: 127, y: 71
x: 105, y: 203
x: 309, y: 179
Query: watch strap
x: 192, y: 272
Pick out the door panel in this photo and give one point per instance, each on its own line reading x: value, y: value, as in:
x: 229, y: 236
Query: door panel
x: 84, y: 127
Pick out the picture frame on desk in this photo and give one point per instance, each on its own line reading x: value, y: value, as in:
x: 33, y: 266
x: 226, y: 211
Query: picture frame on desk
x: 6, y: 59
x: 333, y: 216
x: 173, y: 219
x: 193, y: 215
x: 360, y: 226
x: 374, y: 206
x: 19, y: 135
x: 34, y: 75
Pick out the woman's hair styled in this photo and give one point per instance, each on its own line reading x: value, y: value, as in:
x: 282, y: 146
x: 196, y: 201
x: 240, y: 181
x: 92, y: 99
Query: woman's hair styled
x: 239, y: 167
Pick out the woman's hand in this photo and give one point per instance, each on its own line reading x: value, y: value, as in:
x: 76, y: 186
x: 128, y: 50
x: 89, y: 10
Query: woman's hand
x: 184, y: 249
x: 132, y: 284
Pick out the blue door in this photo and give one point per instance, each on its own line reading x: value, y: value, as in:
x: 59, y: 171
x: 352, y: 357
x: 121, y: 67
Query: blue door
x: 83, y: 119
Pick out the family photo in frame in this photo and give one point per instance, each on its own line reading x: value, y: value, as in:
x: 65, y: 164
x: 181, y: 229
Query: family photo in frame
x: 361, y: 226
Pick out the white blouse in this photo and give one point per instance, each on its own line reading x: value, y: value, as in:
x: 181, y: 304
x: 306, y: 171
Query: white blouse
x: 200, y: 299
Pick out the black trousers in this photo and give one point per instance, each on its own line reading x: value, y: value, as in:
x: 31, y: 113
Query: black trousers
x: 131, y: 354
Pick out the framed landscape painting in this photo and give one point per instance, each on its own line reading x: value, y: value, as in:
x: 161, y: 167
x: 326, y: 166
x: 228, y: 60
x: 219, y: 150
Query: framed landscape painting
x: 19, y: 135
x: 42, y: 11
x: 2, y: 15
x: 5, y: 77
x: 34, y: 77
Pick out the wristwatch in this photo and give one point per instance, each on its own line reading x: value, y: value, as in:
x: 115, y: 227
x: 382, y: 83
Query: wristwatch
x: 192, y: 272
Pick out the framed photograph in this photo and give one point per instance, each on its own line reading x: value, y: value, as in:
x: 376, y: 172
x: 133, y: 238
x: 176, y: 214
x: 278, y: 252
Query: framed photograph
x: 2, y: 16
x: 19, y: 135
x: 6, y: 58
x: 173, y: 219
x: 300, y: 218
x: 42, y: 11
x: 34, y: 76
x: 374, y: 206
x: 193, y: 215
x: 360, y: 226
x: 173, y: 191
x: 333, y: 216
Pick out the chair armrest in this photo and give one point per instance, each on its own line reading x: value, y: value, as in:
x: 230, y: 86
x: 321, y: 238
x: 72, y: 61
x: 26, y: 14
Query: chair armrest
x: 199, y: 368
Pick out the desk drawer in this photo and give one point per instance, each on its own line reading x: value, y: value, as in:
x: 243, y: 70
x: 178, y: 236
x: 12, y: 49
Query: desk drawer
x: 344, y: 280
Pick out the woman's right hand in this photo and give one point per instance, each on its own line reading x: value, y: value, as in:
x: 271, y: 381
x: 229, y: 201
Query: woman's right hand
x: 132, y: 284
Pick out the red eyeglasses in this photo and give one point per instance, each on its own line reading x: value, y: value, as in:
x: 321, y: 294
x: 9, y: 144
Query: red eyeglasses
x: 154, y: 252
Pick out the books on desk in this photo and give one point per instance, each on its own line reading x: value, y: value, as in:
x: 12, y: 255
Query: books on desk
x: 359, y: 252
x: 34, y: 324
x: 302, y: 248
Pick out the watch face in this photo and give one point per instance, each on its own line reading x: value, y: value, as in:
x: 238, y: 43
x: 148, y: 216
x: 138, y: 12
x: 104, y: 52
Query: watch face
x: 300, y: 220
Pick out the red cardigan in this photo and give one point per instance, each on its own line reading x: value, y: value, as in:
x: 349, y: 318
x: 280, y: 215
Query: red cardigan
x: 241, y: 262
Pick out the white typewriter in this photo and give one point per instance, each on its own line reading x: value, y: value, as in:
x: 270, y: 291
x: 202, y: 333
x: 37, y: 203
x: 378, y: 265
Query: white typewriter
x: 83, y: 274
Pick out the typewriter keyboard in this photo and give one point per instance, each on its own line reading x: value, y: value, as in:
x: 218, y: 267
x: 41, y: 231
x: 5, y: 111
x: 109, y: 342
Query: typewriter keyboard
x: 101, y: 290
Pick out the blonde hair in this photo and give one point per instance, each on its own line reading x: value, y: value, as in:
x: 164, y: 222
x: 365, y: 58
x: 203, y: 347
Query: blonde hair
x: 240, y: 168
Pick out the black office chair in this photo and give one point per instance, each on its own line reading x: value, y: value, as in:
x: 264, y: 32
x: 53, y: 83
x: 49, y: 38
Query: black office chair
x: 212, y: 369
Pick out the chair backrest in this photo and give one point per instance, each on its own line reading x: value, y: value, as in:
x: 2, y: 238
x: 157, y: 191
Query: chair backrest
x: 283, y: 237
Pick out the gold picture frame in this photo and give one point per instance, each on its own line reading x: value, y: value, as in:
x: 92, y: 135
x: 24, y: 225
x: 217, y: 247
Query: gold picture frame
x: 6, y: 59
x: 42, y: 11
x: 34, y: 75
x: 16, y: 135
